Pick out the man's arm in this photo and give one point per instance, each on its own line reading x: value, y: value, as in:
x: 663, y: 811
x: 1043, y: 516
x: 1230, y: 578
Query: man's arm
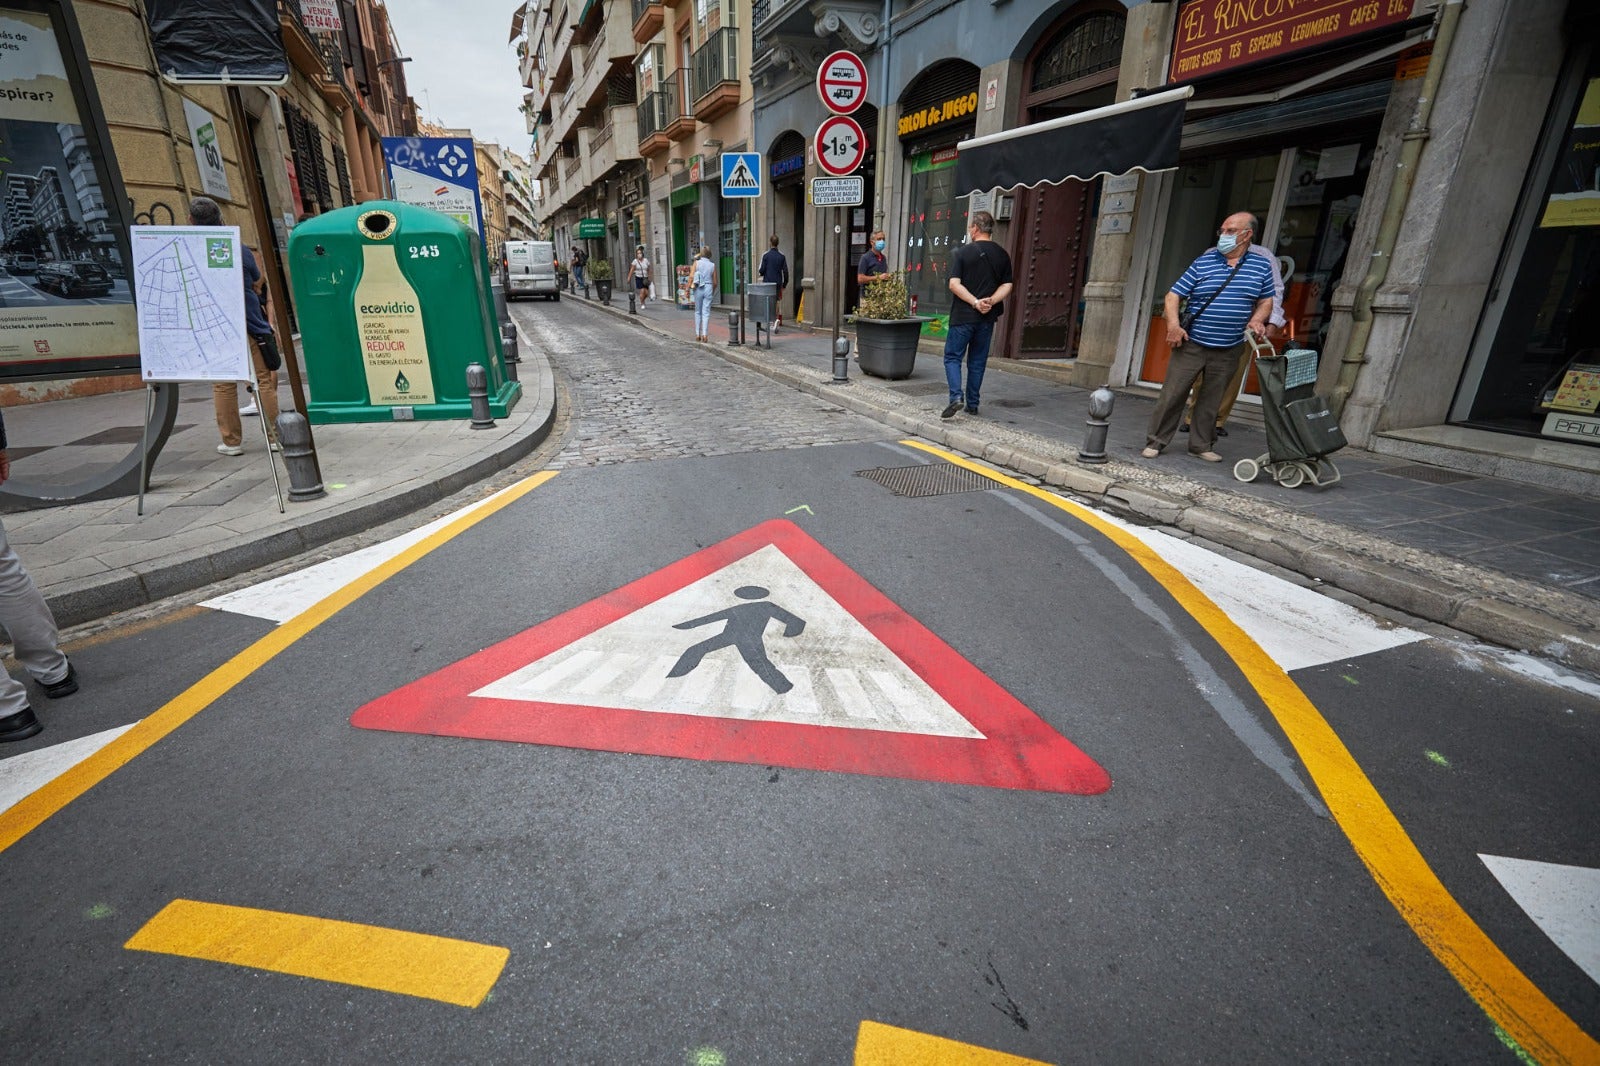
x: 986, y: 304
x: 1176, y: 334
x: 1258, y: 321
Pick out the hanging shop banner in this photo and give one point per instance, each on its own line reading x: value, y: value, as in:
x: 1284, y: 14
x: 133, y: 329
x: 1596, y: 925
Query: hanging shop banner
x: 202, y: 42
x: 65, y: 305
x: 1575, y: 188
x: 439, y: 173
x: 1213, y: 37
x: 207, y: 152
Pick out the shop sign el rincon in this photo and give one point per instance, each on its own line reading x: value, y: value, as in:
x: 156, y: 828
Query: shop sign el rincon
x: 1218, y: 35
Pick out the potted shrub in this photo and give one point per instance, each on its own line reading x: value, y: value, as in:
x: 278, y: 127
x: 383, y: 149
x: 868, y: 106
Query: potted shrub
x: 600, y: 274
x: 886, y: 330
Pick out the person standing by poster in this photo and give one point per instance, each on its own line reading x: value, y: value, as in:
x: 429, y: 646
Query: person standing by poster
x: 204, y: 211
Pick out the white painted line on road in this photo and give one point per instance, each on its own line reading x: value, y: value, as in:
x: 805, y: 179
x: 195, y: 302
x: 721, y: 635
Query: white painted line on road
x: 1563, y: 900
x: 1298, y: 627
x: 282, y: 598
x: 20, y: 775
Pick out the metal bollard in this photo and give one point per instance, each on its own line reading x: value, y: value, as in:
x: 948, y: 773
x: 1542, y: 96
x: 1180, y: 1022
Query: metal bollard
x: 841, y: 361
x: 508, y: 342
x: 733, y: 329
x: 294, y: 436
x: 1101, y: 401
x: 478, y: 393
x: 633, y: 300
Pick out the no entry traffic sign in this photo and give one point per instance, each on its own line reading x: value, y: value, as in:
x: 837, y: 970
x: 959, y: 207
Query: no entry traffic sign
x: 764, y: 648
x: 841, y: 146
x: 842, y: 82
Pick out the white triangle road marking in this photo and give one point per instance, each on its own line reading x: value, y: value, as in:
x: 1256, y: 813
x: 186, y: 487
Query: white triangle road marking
x: 839, y: 672
x: 1563, y: 900
x: 22, y: 775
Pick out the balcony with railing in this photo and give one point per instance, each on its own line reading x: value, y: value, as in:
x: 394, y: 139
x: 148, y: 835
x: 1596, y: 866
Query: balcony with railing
x: 662, y: 120
x: 716, y: 75
x: 768, y: 17
x: 648, y: 18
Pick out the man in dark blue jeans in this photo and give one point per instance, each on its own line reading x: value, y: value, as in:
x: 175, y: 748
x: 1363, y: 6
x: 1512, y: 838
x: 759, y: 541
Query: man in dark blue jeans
x: 980, y: 280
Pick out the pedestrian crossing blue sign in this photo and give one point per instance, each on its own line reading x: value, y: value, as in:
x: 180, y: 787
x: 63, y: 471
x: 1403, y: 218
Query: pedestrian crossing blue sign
x: 741, y: 173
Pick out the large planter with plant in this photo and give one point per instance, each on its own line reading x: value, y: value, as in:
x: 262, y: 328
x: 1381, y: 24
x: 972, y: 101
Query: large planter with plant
x: 600, y: 274
x: 886, y: 331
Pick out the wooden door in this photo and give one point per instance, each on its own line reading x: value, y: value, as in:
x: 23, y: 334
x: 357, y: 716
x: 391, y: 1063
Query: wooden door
x: 1051, y: 229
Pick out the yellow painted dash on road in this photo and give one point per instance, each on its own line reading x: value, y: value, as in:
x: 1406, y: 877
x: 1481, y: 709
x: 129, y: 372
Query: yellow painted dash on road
x: 389, y: 960
x: 1517, y: 1005
x: 886, y: 1045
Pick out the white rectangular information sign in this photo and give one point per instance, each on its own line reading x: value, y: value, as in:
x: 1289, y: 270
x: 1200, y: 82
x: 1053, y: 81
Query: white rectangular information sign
x: 189, y: 286
x: 838, y: 192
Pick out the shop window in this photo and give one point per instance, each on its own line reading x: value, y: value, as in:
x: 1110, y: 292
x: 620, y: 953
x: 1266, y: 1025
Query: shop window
x: 934, y: 227
x: 1538, y: 373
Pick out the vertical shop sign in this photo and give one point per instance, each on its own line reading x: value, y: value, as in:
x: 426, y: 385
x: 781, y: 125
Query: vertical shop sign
x: 65, y: 305
x: 1575, y: 189
x: 207, y: 152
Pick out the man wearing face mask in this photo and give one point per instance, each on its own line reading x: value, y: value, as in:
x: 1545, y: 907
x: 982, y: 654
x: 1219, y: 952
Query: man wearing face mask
x: 874, y: 263
x: 1228, y: 292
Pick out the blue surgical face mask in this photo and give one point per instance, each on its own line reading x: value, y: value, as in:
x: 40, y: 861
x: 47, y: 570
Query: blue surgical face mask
x: 1227, y: 242
x: 878, y: 245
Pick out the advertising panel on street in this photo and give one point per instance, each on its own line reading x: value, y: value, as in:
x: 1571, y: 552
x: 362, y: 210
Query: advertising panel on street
x: 65, y: 305
x: 190, y: 281
x: 440, y: 173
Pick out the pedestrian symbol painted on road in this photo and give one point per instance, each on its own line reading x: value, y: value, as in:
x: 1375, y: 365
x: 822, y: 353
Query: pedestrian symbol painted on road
x: 745, y: 630
x: 812, y: 668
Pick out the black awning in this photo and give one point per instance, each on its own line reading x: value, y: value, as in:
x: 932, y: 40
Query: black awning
x: 201, y: 42
x: 1140, y: 134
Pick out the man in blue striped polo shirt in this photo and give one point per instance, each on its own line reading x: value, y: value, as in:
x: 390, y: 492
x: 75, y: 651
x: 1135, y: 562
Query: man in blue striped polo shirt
x: 1228, y: 292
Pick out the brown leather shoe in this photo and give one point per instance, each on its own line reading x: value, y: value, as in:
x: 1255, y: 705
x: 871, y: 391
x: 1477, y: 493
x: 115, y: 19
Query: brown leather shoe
x: 1150, y: 453
x: 1210, y: 457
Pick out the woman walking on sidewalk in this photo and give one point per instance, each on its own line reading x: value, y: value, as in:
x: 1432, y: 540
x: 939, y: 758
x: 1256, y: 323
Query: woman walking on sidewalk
x: 702, y: 295
x: 641, y: 276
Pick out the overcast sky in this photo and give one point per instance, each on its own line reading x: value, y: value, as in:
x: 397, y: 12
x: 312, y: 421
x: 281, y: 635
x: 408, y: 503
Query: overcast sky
x: 462, y: 71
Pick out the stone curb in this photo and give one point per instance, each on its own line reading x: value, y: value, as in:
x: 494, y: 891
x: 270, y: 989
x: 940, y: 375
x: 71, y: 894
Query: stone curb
x: 84, y: 600
x: 1484, y: 603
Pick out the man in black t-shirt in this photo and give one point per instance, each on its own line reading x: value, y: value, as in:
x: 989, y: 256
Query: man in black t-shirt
x: 980, y: 279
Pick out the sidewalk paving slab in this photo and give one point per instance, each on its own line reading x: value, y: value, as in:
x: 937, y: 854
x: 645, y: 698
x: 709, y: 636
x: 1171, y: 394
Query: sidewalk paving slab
x: 208, y: 516
x: 1509, y: 562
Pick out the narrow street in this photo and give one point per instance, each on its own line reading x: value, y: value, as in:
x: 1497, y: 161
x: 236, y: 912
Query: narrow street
x: 964, y: 758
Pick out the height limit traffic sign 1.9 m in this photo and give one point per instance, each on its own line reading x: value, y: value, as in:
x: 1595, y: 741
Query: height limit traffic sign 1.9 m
x: 842, y: 82
x: 841, y: 145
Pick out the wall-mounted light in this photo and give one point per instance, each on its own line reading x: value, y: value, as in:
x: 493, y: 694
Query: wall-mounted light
x: 714, y: 144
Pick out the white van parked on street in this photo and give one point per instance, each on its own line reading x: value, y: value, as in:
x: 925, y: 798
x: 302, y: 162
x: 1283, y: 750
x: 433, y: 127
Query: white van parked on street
x: 531, y: 270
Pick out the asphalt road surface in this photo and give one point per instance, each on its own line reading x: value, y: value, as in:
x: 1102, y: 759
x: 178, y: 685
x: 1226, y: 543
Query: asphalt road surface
x: 733, y: 729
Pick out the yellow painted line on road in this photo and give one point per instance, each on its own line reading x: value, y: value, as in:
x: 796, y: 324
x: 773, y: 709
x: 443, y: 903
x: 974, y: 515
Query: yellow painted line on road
x: 885, y: 1045
x: 389, y: 960
x: 1510, y: 999
x: 27, y: 814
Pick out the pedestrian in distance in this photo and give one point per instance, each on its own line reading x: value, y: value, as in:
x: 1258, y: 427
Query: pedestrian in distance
x: 774, y: 270
x: 640, y: 269
x: 701, y: 291
x: 580, y: 259
x: 264, y: 357
x: 980, y: 280
x: 1228, y: 291
x: 34, y: 638
x: 874, y: 263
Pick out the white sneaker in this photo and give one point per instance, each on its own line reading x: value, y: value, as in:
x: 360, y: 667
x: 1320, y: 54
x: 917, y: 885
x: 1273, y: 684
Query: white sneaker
x: 251, y: 410
x: 230, y: 449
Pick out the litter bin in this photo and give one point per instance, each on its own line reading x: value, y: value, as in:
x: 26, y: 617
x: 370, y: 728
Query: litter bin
x: 763, y: 301
x: 394, y: 303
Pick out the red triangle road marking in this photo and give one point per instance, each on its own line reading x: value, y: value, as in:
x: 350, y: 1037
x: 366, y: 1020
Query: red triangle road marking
x: 1006, y: 746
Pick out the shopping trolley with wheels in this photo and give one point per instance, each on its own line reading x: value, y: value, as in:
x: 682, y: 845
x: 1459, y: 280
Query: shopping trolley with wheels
x: 1301, y: 429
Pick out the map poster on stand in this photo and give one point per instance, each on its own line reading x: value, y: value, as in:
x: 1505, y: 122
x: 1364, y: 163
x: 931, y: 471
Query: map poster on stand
x: 189, y: 282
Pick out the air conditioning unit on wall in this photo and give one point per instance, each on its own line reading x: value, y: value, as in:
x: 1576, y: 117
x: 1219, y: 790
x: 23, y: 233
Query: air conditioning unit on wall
x: 1002, y: 207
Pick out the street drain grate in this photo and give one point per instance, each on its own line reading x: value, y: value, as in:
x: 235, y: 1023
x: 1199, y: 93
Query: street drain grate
x: 1013, y: 403
x: 920, y: 388
x: 1433, y: 475
x: 932, y: 479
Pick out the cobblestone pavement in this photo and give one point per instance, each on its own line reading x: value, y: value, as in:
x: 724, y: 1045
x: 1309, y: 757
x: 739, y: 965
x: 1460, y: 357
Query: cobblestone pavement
x: 636, y: 396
